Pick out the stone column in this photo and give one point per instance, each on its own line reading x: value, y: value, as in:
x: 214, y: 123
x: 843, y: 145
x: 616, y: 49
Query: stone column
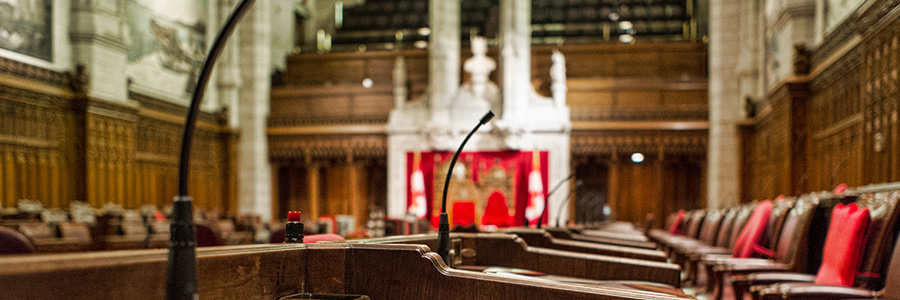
x: 443, y: 57
x: 752, y: 52
x: 401, y: 93
x: 227, y: 73
x: 515, y: 59
x: 725, y: 104
x: 97, y: 32
x: 254, y: 189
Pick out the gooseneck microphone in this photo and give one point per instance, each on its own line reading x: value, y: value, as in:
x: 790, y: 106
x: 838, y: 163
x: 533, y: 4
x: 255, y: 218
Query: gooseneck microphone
x: 561, y: 205
x: 181, y: 268
x: 444, y: 226
x: 547, y: 200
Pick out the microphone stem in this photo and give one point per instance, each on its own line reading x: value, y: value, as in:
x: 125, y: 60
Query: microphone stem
x: 181, y: 267
x: 444, y: 226
x: 547, y: 200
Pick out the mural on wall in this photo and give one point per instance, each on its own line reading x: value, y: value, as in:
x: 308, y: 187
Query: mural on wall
x: 837, y: 11
x: 168, y: 43
x: 26, y: 27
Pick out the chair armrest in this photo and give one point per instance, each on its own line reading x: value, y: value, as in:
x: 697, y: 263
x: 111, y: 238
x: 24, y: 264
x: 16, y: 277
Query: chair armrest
x: 812, y: 291
x: 743, y: 282
x: 751, y: 268
x: 728, y: 260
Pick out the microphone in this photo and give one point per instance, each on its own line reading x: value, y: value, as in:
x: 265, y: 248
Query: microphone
x: 181, y: 267
x: 547, y: 200
x: 444, y: 225
x: 577, y: 184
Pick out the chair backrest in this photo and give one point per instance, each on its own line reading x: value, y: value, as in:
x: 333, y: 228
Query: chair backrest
x: 496, y: 212
x: 463, y: 213
x: 75, y: 231
x: 843, y: 245
x: 892, y: 275
x: 14, y: 242
x: 694, y: 222
x: 780, y: 209
x: 711, y: 225
x: 36, y: 230
x: 206, y: 237
x: 740, y: 221
x: 791, y: 245
x: 725, y: 230
x: 753, y: 233
x: 883, y: 212
x: 676, y: 228
x: 277, y: 236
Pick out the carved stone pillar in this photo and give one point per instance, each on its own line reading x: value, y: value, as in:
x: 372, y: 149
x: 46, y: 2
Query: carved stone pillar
x: 724, y: 104
x: 515, y: 56
x: 97, y: 33
x: 254, y: 185
x: 443, y: 57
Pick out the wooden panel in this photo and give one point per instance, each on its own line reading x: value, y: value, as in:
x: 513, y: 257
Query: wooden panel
x: 58, y: 146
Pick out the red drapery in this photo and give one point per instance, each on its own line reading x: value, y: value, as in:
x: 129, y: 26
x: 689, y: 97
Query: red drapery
x: 479, y: 163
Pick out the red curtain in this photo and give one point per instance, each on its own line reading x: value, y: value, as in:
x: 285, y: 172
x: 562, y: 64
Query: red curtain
x: 520, y: 162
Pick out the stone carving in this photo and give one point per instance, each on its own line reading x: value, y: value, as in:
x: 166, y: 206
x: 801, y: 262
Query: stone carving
x: 558, y: 78
x: 479, y: 66
x: 439, y: 137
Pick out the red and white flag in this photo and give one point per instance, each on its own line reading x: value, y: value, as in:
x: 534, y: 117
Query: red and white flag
x: 535, y: 208
x: 417, y: 206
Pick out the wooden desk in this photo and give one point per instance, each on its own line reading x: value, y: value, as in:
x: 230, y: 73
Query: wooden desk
x: 507, y: 250
x: 380, y: 271
x: 541, y: 238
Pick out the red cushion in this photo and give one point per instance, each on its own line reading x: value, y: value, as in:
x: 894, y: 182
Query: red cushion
x: 463, y: 213
x: 309, y: 239
x: 752, y: 234
x: 676, y: 226
x: 843, y: 246
x: 496, y: 212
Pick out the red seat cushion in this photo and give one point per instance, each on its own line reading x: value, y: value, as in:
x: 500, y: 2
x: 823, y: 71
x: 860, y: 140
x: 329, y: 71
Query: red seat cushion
x: 676, y: 226
x: 496, y: 212
x: 752, y: 234
x: 463, y: 213
x: 843, y: 246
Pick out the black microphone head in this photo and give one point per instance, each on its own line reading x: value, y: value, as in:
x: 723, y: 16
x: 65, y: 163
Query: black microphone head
x: 487, y: 117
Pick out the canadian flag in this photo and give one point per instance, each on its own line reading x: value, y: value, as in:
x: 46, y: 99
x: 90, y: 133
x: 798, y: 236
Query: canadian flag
x: 535, y: 208
x: 417, y: 206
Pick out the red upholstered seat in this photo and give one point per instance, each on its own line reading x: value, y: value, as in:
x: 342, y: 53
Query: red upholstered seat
x: 748, y: 242
x: 463, y: 213
x: 14, y: 242
x: 843, y: 246
x: 309, y: 239
x: 496, y: 212
x: 676, y: 226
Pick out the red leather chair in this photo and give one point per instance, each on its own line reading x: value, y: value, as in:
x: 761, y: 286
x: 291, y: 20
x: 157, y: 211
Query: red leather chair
x: 884, y: 211
x: 496, y: 212
x: 14, y: 242
x: 840, y: 261
x: 463, y: 213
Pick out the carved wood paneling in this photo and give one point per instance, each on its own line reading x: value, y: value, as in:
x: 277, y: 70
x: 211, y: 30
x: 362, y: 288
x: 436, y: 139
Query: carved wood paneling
x: 627, y: 141
x: 851, y: 133
x: 58, y: 146
x: 879, y: 84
